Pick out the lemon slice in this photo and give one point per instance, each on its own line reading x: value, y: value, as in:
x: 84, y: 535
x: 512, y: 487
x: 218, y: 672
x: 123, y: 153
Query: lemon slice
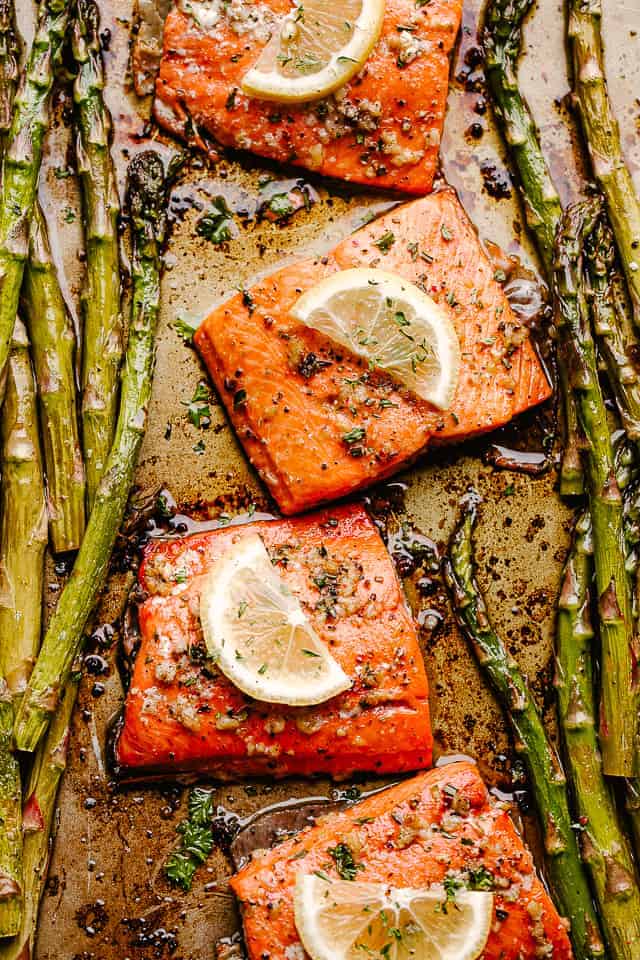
x: 318, y: 47
x: 348, y: 920
x: 258, y: 634
x: 392, y: 324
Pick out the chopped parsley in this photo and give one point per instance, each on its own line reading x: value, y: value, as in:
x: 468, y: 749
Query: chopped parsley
x: 216, y: 225
x: 184, y: 329
x: 198, y: 408
x: 343, y: 858
x: 446, y: 233
x: 385, y: 242
x: 196, y: 840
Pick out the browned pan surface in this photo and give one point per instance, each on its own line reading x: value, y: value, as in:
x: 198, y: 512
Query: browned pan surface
x: 106, y: 896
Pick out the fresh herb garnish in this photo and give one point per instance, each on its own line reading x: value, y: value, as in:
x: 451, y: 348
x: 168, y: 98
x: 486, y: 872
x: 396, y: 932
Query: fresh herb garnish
x: 216, y: 225
x: 196, y: 840
x: 385, y: 242
x: 343, y: 858
x: 198, y: 407
x: 184, y: 329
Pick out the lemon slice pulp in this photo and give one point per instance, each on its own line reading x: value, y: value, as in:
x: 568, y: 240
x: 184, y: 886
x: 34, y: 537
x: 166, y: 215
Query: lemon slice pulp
x: 349, y: 919
x: 318, y: 47
x: 258, y: 634
x: 392, y: 324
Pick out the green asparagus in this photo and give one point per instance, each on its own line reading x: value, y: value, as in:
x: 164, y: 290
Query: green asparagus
x: 602, y: 136
x: 613, y: 327
x: 604, y: 846
x: 146, y: 200
x: 547, y: 781
x: 502, y: 40
x: 53, y: 346
x: 102, y: 343
x: 23, y: 521
x: 22, y: 159
x: 618, y: 707
x: 10, y: 823
x: 9, y: 54
x: 38, y: 822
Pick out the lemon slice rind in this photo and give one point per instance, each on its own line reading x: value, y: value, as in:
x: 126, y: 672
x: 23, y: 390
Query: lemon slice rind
x: 343, y: 919
x: 258, y: 634
x: 288, y: 73
x: 390, y: 322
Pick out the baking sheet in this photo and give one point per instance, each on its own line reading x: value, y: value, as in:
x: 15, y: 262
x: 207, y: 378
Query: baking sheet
x: 106, y: 898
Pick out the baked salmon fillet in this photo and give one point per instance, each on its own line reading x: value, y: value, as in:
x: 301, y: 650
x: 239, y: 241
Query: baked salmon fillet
x: 383, y: 127
x: 440, y: 824
x: 297, y: 401
x: 182, y: 714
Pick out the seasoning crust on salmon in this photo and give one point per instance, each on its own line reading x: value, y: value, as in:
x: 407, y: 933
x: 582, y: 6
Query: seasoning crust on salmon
x: 314, y: 420
x: 440, y: 824
x: 181, y: 714
x: 383, y: 127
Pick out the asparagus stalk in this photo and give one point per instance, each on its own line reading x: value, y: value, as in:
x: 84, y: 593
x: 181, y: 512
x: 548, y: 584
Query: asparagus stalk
x: 618, y: 707
x: 630, y: 486
x: 602, y: 136
x: 10, y: 823
x: 23, y: 157
x: 613, y: 327
x: 9, y: 56
x: 502, y: 40
x: 23, y: 521
x: 53, y: 346
x: 38, y: 822
x: 146, y: 200
x: 603, y: 843
x: 547, y: 781
x: 103, y: 325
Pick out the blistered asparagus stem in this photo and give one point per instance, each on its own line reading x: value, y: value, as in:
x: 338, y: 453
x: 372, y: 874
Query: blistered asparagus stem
x: 38, y: 822
x: 146, y: 200
x: 22, y: 159
x: 603, y: 843
x: 23, y: 521
x: 502, y: 40
x: 10, y: 823
x: 569, y: 885
x: 614, y: 330
x: 9, y: 54
x: 602, y: 136
x: 102, y: 342
x: 53, y: 347
x: 618, y: 705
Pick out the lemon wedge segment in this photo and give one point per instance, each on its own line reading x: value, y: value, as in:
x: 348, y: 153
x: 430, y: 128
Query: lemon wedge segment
x: 391, y: 323
x: 349, y: 919
x: 258, y: 634
x: 317, y: 48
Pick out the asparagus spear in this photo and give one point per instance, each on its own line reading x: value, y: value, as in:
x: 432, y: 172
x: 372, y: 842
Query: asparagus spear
x: 10, y: 823
x: 103, y: 326
x: 602, y: 136
x: 9, y: 56
x: 603, y: 843
x: 53, y: 345
x: 613, y: 327
x: 23, y: 521
x: 38, y: 822
x: 618, y: 707
x: 22, y: 159
x: 547, y: 781
x: 146, y: 200
x: 502, y: 40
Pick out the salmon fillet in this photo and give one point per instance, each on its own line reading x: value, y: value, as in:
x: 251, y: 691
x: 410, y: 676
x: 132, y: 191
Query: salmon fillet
x: 181, y: 714
x: 383, y: 127
x: 441, y: 823
x: 297, y: 402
